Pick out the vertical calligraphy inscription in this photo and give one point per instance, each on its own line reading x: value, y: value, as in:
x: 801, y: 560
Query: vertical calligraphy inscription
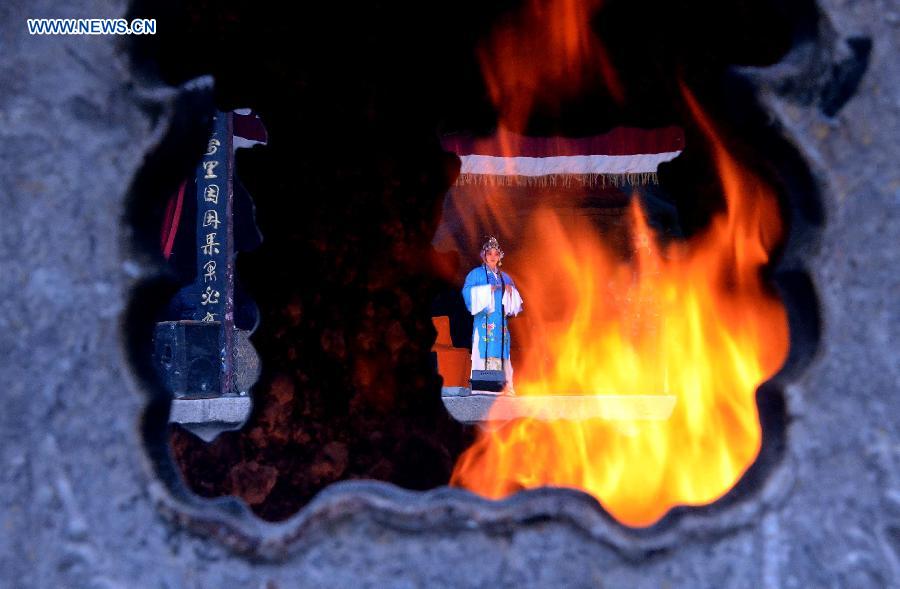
x: 213, y: 237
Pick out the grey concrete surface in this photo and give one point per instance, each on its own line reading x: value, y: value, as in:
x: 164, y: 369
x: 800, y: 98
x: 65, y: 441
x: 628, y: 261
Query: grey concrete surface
x: 88, y: 503
x: 478, y: 407
x: 208, y: 417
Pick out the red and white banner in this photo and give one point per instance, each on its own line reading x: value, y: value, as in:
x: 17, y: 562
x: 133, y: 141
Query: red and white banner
x: 622, y: 155
x: 248, y: 128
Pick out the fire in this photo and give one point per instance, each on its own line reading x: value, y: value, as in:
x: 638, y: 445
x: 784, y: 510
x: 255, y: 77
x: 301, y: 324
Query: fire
x: 544, y: 55
x: 690, y: 318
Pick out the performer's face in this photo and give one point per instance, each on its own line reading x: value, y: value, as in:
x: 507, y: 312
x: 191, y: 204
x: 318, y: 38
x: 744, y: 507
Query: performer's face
x: 492, y: 256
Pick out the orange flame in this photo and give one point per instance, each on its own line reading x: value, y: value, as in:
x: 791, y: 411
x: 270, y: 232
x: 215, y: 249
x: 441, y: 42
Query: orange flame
x: 692, y: 319
x: 547, y: 53
x: 688, y: 319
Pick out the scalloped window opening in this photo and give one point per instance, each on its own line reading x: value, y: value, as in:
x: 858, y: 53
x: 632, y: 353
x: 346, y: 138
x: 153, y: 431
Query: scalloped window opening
x: 629, y: 180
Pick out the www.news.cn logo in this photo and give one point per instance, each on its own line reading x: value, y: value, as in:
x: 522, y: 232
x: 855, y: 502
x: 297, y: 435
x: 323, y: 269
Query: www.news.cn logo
x: 91, y: 26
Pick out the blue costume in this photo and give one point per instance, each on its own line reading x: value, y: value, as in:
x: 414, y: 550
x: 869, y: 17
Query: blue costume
x: 490, y: 302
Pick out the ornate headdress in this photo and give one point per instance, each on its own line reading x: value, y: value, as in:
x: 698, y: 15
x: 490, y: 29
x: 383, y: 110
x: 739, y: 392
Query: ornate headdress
x: 490, y: 244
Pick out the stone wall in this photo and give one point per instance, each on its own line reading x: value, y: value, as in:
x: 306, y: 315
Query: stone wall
x: 90, y: 498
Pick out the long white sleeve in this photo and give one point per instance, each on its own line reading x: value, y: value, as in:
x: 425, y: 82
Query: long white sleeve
x: 482, y: 298
x: 512, y: 302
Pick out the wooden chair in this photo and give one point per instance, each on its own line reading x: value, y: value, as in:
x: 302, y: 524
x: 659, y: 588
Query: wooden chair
x: 454, y: 364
